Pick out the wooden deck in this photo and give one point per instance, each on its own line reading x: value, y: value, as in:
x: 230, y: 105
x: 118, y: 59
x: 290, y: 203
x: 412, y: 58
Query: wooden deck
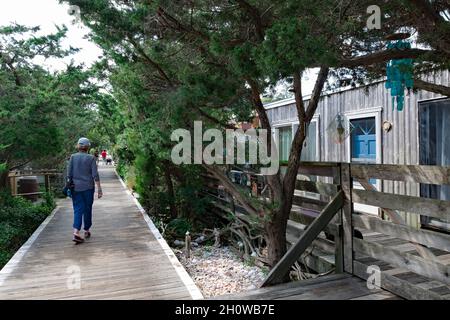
x: 347, y: 287
x: 126, y: 258
x: 413, y: 262
x: 321, y: 258
x: 333, y: 287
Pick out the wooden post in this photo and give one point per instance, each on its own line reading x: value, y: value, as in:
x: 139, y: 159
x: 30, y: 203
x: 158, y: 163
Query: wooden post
x: 338, y: 240
x: 188, y: 244
x: 13, y: 185
x: 347, y: 223
x: 216, y: 234
x: 339, y: 248
x: 47, y: 183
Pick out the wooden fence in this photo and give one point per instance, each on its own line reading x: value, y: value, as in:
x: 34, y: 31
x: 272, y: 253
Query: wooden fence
x: 329, y: 207
x: 429, y: 248
x: 47, y: 174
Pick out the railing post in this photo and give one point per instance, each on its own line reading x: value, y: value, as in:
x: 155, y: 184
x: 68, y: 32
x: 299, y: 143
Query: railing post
x: 13, y: 185
x: 339, y: 248
x: 347, y: 221
x: 188, y: 244
x: 47, y: 183
x: 338, y: 240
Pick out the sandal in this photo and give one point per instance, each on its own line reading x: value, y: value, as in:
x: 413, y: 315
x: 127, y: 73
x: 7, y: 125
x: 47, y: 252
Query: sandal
x: 87, y: 234
x: 77, y: 239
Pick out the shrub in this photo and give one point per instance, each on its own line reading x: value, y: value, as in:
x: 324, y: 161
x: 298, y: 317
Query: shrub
x: 178, y: 227
x: 122, y: 169
x: 130, y: 178
x: 18, y: 220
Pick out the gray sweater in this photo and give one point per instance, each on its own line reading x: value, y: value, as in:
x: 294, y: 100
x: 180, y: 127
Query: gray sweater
x: 83, y: 171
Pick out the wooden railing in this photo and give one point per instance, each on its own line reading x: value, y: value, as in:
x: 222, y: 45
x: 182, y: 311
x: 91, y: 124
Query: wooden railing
x: 324, y: 203
x: 329, y: 207
x: 423, y: 261
x: 46, y: 173
x: 312, y: 199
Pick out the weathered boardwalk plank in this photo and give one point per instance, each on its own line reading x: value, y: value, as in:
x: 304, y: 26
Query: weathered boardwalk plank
x: 126, y: 258
x: 332, y: 287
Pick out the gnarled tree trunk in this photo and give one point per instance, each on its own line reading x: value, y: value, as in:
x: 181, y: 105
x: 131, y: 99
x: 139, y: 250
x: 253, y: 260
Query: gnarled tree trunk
x: 276, y: 240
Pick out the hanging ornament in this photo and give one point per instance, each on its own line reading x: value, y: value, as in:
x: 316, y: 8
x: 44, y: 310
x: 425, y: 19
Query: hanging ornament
x: 399, y: 73
x: 340, y: 128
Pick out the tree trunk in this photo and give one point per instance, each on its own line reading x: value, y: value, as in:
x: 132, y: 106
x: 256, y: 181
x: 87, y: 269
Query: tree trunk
x: 274, y: 181
x: 276, y: 228
x: 276, y: 240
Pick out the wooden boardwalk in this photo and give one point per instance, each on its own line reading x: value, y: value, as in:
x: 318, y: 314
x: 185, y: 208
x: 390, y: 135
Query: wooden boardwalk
x: 333, y: 287
x: 126, y: 258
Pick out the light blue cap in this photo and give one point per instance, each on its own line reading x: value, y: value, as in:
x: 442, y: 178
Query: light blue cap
x: 84, y: 142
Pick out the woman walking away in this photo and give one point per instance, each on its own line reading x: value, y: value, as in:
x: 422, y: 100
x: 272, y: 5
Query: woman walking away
x: 84, y: 175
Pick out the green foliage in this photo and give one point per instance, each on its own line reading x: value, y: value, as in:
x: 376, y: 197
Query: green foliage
x: 122, y: 169
x: 2, y: 165
x: 178, y: 227
x: 265, y: 270
x: 43, y: 113
x: 18, y: 220
x: 280, y: 54
x: 49, y: 200
x: 130, y: 178
x: 250, y: 261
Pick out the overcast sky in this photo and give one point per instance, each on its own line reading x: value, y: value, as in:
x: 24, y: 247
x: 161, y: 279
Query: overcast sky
x: 47, y: 14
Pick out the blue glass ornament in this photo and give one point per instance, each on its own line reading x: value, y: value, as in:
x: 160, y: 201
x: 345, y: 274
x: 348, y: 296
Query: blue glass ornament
x: 399, y: 74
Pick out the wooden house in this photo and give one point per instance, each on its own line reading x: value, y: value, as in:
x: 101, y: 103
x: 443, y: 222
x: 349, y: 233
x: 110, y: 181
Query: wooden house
x: 377, y: 133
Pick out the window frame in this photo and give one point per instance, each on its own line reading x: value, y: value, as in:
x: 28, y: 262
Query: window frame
x: 425, y: 221
x: 278, y: 127
x: 316, y: 119
x: 361, y: 114
x: 292, y: 123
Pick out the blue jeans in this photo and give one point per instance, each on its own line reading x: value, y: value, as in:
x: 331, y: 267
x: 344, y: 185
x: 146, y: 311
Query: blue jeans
x: 82, y: 208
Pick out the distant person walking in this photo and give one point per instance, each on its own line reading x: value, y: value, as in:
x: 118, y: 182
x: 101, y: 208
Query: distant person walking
x: 108, y: 159
x: 104, y: 156
x: 84, y: 175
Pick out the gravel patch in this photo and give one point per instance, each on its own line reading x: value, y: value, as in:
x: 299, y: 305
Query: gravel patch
x: 218, y: 271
